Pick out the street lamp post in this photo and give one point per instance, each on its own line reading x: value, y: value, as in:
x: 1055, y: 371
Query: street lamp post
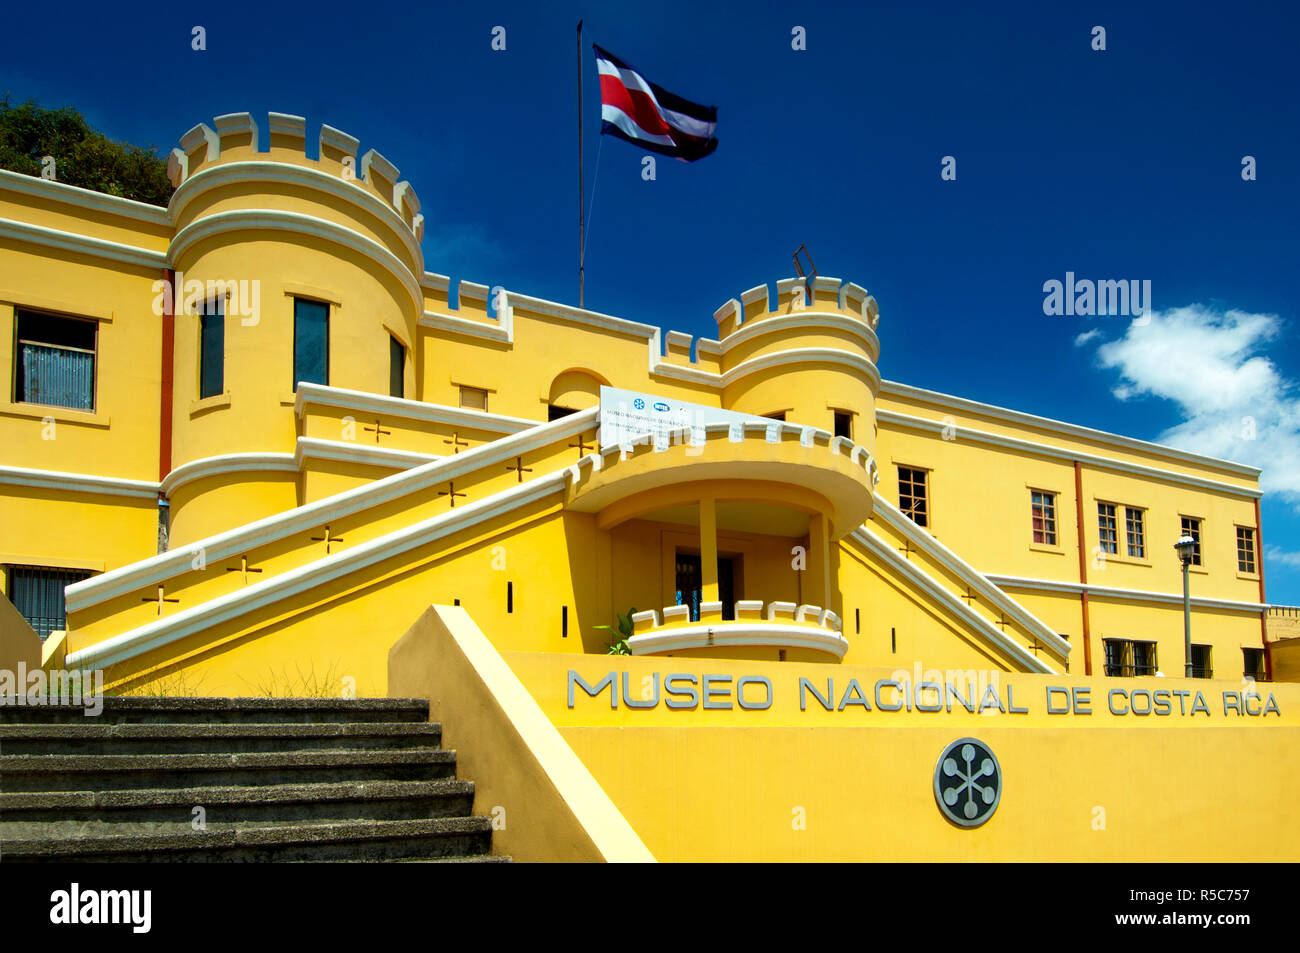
x: 1185, y: 547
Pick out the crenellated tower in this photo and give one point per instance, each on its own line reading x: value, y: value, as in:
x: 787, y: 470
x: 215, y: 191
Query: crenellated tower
x: 264, y: 232
x: 809, y: 354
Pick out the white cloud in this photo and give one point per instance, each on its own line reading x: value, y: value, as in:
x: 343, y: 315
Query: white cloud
x: 1236, y: 403
x: 1275, y: 556
x: 1081, y: 339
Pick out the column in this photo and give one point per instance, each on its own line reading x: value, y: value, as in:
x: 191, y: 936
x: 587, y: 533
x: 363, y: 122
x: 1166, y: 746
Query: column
x: 708, y: 550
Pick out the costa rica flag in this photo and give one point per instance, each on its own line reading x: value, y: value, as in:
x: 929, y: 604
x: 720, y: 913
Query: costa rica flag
x: 635, y: 109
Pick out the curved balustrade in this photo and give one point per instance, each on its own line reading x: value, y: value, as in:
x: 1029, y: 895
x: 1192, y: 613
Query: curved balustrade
x: 778, y: 625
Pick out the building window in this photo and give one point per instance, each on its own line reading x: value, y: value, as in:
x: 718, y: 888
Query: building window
x: 776, y: 415
x: 311, y: 342
x: 1192, y: 527
x: 396, y: 368
x: 473, y: 398
x: 1135, y: 531
x: 37, y: 593
x: 913, y: 499
x: 1245, y: 549
x: 1043, y: 508
x: 555, y: 412
x: 212, y: 350
x: 1254, y: 659
x: 1106, y: 528
x: 1202, y: 662
x: 1126, y: 658
x: 54, y: 363
x: 844, y: 424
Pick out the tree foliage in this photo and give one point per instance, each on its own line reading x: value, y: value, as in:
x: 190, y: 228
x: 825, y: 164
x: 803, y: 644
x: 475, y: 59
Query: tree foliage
x: 82, y: 156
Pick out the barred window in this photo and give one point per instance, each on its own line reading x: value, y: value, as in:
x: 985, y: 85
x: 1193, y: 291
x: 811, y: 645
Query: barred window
x: 1254, y: 668
x: 1043, y: 509
x: 1191, y: 526
x: 54, y: 361
x: 1202, y: 662
x: 1245, y: 549
x: 1126, y: 658
x: 1135, y: 531
x: 37, y: 594
x: 1107, y: 528
x: 913, y: 499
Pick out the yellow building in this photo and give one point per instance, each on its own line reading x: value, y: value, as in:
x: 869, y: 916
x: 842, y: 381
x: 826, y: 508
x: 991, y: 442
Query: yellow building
x: 256, y: 440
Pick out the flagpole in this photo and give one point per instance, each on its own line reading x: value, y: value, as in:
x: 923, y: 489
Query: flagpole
x: 581, y: 227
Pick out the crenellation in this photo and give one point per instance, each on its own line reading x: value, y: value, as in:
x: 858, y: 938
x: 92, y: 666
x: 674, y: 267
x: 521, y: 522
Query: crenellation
x: 825, y: 291
x: 678, y: 343
x: 406, y: 202
x: 335, y: 145
x: 201, y: 144
x: 237, y: 138
x: 237, y: 131
x: 287, y: 132
x: 728, y: 317
x: 378, y: 172
x: 754, y: 302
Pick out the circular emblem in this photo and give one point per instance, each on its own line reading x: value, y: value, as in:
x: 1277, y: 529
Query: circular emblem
x: 639, y: 404
x: 968, y: 782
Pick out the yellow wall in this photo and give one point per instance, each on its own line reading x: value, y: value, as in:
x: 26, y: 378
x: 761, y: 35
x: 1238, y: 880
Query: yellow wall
x: 736, y: 785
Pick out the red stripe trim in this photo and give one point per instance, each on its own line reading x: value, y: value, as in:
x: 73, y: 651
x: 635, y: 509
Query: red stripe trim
x: 168, y: 358
x: 640, y: 108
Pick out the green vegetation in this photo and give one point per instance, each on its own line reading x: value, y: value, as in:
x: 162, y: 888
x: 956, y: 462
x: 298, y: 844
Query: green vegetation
x: 82, y: 156
x: 619, y: 646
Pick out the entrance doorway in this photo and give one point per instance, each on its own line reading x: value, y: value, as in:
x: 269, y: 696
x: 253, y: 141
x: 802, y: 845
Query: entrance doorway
x: 690, y: 584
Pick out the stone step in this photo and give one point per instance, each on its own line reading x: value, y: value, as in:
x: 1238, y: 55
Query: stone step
x: 119, y: 772
x: 63, y: 814
x: 95, y: 737
x: 366, y: 840
x: 129, y: 709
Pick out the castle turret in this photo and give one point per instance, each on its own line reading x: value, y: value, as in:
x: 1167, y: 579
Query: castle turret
x: 314, y: 265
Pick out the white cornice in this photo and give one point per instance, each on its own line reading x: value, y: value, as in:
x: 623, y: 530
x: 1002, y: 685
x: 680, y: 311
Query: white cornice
x: 579, y: 316
x: 83, y: 198
x: 692, y: 375
x: 82, y: 244
x: 409, y: 409
x: 802, y: 355
x: 968, y: 574
x: 885, y: 552
x: 227, y: 463
x: 255, y: 172
x: 907, y: 392
x: 805, y: 321
x: 151, y: 571
x: 317, y: 573
x: 1132, y: 595
x: 458, y: 325
x: 1060, y: 453
x: 241, y: 220
x: 78, y: 482
x: 389, y: 458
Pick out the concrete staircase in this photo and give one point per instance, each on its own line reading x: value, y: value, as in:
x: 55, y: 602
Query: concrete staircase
x: 291, y: 779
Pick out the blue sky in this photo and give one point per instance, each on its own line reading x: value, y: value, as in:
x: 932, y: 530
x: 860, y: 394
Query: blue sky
x: 1122, y: 164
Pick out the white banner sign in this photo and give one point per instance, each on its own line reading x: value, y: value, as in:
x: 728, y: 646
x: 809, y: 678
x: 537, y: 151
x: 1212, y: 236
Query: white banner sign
x: 629, y: 417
